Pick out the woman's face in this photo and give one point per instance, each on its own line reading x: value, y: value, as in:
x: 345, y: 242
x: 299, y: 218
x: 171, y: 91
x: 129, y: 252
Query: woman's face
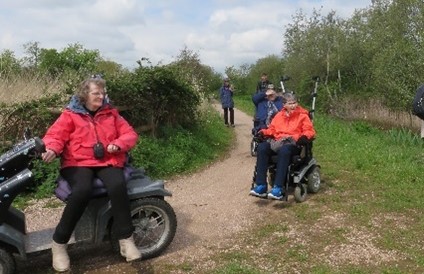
x: 290, y: 105
x: 95, y: 97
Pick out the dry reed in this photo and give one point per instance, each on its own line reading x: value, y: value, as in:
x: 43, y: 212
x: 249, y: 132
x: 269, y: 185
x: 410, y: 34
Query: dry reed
x: 375, y: 112
x: 23, y: 89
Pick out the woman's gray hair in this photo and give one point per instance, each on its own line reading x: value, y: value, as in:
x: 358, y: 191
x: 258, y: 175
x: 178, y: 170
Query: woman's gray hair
x: 84, y: 88
x: 289, y: 96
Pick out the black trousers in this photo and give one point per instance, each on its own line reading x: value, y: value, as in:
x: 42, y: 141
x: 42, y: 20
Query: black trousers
x: 80, y: 179
x: 231, y: 110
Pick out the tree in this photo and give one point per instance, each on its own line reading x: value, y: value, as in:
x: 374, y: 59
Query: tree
x: 33, y: 52
x: 9, y: 65
x: 189, y: 68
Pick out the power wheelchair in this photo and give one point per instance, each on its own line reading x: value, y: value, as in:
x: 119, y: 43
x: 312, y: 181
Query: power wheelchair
x: 304, y: 172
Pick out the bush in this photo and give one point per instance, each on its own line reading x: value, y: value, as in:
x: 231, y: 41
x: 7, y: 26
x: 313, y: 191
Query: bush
x: 173, y: 152
x: 154, y: 97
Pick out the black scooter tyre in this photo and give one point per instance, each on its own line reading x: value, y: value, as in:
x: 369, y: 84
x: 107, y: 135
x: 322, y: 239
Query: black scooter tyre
x: 7, y: 263
x: 155, y: 225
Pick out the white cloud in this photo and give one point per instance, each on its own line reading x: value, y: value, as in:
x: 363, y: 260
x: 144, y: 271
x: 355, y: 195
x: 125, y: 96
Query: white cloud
x: 223, y: 32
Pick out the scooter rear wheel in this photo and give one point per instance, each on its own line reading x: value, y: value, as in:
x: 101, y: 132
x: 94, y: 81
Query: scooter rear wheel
x: 155, y: 225
x: 7, y: 263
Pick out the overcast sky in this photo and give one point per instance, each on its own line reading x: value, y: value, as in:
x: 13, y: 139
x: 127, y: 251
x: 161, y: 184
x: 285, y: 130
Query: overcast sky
x: 222, y: 32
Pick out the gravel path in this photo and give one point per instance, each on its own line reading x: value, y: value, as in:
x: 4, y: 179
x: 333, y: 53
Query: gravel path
x: 214, y: 204
x: 211, y: 206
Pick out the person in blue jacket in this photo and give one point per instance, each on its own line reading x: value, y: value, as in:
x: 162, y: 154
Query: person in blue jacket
x: 267, y: 104
x: 263, y: 83
x: 226, y: 96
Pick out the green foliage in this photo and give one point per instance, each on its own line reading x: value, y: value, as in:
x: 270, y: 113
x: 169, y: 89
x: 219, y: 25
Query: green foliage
x: 156, y: 97
x: 378, y: 49
x: 405, y: 137
x: 239, y: 78
x: 44, y: 183
x: 9, y: 64
x: 45, y: 176
x: 188, y: 68
x: 73, y: 58
x: 245, y: 103
x: 246, y: 77
x: 35, y: 115
x: 173, y: 152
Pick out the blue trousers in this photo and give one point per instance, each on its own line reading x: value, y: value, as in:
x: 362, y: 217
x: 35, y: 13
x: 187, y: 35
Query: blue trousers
x: 284, y: 156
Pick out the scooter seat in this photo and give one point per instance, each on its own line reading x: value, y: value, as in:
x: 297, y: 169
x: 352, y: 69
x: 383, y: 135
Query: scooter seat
x: 63, y: 189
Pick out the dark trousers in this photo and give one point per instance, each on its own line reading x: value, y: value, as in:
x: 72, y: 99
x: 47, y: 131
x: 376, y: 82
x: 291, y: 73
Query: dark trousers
x: 284, y: 156
x: 80, y: 179
x: 231, y: 110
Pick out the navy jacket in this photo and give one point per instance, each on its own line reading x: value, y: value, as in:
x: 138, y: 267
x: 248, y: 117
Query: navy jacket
x: 226, y: 96
x: 261, y: 105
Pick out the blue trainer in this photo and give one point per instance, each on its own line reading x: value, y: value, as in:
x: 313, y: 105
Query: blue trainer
x: 259, y: 191
x: 276, y: 193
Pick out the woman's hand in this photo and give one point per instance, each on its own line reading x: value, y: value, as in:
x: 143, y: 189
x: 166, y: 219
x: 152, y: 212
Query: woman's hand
x: 111, y: 148
x: 48, y: 156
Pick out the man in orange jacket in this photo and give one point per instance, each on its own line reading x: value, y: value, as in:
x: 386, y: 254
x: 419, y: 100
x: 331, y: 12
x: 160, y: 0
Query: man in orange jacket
x: 289, y: 128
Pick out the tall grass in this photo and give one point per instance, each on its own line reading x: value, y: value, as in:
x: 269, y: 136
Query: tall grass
x: 374, y: 111
x: 27, y: 87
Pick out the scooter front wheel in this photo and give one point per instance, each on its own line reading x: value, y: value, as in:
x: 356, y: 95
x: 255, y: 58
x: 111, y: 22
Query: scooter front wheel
x: 155, y: 225
x: 7, y: 264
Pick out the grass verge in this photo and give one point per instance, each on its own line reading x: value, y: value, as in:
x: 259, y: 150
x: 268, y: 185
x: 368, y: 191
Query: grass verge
x: 367, y: 218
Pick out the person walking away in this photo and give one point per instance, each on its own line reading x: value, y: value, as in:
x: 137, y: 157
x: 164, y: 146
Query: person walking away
x: 226, y: 97
x: 92, y: 140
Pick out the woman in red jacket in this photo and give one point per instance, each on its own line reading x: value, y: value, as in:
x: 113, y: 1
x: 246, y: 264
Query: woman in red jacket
x: 289, y: 128
x: 92, y: 140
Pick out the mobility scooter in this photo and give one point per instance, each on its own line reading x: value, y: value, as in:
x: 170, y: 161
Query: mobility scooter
x: 153, y: 218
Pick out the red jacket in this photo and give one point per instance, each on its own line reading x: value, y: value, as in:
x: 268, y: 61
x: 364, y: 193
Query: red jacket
x: 295, y: 125
x: 73, y: 135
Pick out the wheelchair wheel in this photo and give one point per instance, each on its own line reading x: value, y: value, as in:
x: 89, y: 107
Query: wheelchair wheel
x: 314, y: 180
x: 300, y: 192
x: 253, y: 148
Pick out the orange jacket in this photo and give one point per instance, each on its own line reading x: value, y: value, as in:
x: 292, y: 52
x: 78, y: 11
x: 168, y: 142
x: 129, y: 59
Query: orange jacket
x: 292, y: 125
